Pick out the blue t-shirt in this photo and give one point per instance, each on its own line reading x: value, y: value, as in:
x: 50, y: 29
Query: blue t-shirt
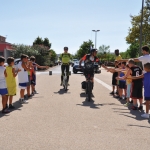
x: 147, y: 84
x: 121, y: 75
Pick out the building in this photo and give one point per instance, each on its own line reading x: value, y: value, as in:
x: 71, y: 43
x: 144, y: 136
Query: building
x: 5, y: 47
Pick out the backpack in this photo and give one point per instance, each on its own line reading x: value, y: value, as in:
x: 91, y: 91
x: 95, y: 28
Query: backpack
x: 67, y: 54
x: 83, y: 84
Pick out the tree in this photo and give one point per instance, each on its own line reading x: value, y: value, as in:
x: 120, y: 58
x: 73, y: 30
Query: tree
x: 24, y: 49
x: 104, y: 49
x: 133, y: 49
x: 104, y: 53
x: 47, y: 43
x: 84, y: 49
x: 53, y: 55
x: 38, y: 41
x: 134, y: 31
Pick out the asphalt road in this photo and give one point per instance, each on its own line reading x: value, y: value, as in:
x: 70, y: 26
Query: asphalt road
x: 59, y: 120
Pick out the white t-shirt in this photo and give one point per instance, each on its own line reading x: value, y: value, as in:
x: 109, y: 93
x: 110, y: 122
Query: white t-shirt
x: 22, y: 75
x: 2, y: 78
x: 144, y: 59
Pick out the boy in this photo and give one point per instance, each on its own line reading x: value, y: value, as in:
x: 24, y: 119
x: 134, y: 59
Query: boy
x: 146, y: 88
x: 114, y: 81
x: 33, y: 81
x: 29, y: 65
x: 122, y: 83
x: 128, y: 84
x: 23, y: 77
x: 10, y: 80
x: 3, y: 87
x: 137, y: 85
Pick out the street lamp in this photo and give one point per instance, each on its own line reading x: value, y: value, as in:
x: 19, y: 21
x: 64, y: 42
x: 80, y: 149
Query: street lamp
x: 141, y: 26
x: 95, y: 36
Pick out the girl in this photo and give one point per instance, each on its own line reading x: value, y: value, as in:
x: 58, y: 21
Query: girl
x: 10, y: 81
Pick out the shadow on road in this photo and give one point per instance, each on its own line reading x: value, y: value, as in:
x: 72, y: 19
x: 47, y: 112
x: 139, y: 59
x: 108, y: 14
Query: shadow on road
x: 62, y: 91
x: 138, y: 126
x: 84, y: 95
x: 17, y: 106
x: 90, y: 104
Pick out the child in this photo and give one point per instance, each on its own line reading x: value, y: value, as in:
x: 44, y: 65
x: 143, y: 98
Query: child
x: 3, y: 87
x: 122, y: 82
x: 10, y: 80
x: 23, y: 77
x: 114, y: 81
x: 29, y: 65
x: 146, y: 88
x: 35, y: 65
x: 137, y: 85
x: 129, y: 83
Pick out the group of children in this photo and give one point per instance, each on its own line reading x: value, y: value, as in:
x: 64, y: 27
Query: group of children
x: 129, y: 80
x: 26, y: 71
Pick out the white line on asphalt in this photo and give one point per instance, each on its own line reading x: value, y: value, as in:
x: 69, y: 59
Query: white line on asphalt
x: 103, y: 84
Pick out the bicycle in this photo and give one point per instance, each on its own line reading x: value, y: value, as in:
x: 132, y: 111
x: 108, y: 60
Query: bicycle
x: 89, y: 67
x: 65, y: 82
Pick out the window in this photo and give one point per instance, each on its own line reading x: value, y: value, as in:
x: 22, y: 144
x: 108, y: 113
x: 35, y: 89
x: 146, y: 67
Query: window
x: 1, y: 54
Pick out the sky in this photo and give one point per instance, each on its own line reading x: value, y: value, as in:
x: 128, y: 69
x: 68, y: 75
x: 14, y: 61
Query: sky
x: 68, y: 22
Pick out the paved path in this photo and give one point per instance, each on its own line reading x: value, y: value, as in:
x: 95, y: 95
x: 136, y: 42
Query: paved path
x: 59, y: 120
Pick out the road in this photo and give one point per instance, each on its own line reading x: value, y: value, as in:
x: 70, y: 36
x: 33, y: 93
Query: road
x: 59, y: 120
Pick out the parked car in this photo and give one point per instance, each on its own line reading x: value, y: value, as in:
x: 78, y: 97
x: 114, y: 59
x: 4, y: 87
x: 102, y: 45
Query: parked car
x: 76, y: 67
x: 111, y: 64
x: 73, y: 62
x: 16, y: 61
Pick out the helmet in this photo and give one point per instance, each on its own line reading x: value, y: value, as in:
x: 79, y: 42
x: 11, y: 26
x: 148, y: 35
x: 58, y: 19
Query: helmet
x: 65, y: 48
x: 93, y: 50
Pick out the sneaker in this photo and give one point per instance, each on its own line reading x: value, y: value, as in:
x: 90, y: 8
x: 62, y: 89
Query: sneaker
x: 112, y: 93
x: 29, y: 96
x: 11, y: 106
x: 5, y: 111
x: 117, y: 93
x: 145, y: 116
x: 32, y: 94
x: 140, y: 108
x: 35, y: 92
x: 127, y: 104
x: 24, y: 101
x: 120, y: 98
x: 21, y: 100
x: 134, y: 108
x: 61, y: 84
x: 131, y: 102
x: 117, y: 96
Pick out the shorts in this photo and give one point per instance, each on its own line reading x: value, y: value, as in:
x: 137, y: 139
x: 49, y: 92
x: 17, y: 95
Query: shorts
x: 3, y: 91
x: 86, y: 73
x: 29, y: 81
x: 33, y: 82
x: 122, y: 85
x: 137, y: 91
x: 22, y: 85
x: 147, y: 98
x: 128, y: 90
x: 114, y: 81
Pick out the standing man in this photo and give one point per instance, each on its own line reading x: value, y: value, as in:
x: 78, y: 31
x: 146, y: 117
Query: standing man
x: 65, y: 57
x: 118, y: 56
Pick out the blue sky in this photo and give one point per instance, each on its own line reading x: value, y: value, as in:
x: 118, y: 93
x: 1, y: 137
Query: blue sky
x: 68, y: 22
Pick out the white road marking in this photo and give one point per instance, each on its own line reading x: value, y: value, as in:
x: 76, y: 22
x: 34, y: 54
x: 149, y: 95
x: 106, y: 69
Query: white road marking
x: 103, y: 84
